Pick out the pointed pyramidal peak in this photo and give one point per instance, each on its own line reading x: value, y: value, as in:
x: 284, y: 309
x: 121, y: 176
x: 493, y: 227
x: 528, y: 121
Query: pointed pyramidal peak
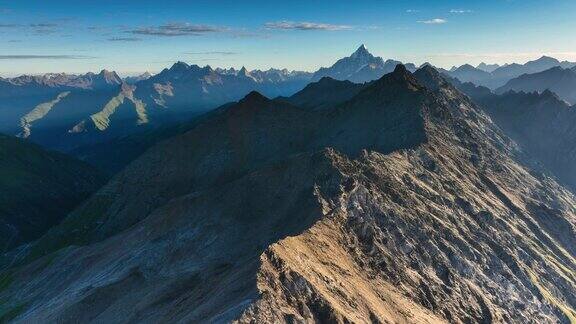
x: 254, y: 97
x: 243, y: 71
x: 250, y: 104
x: 361, y: 52
x: 401, y: 78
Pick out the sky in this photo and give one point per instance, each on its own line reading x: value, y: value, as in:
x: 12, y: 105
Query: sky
x: 132, y: 37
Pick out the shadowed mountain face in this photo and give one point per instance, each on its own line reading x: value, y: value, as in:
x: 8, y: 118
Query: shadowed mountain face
x: 112, y: 156
x: 541, y: 123
x: 37, y: 189
x: 558, y: 80
x: 325, y: 93
x: 401, y: 203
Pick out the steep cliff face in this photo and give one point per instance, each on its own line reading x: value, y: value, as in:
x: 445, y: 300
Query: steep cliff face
x: 402, y: 204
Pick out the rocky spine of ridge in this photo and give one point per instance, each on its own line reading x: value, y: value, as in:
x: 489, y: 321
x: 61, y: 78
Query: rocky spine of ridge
x: 409, y: 206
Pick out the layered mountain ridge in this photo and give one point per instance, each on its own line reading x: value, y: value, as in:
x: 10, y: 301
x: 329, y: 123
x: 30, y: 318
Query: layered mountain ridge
x: 400, y: 201
x: 558, y: 80
x: 541, y: 123
x: 75, y: 112
x: 499, y: 76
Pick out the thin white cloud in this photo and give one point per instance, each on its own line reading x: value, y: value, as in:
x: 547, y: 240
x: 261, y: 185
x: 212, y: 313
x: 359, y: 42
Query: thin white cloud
x: 412, y: 10
x: 435, y: 21
x: 461, y: 11
x: 177, y: 29
x: 38, y: 28
x: 293, y: 25
x: 45, y: 57
x: 211, y: 53
x: 124, y: 39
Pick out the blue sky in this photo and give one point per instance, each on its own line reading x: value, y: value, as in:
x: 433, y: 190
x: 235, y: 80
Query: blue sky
x: 136, y: 36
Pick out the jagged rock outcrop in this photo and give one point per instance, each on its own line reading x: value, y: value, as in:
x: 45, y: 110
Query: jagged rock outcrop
x: 405, y: 203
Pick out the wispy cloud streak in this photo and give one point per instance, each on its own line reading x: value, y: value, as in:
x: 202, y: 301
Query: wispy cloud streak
x: 211, y: 53
x: 435, y: 21
x: 460, y: 11
x: 306, y: 26
x: 177, y: 29
x: 45, y: 57
x: 124, y: 39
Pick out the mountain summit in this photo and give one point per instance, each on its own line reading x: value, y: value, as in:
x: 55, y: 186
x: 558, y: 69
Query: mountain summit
x: 361, y: 52
x: 359, y: 67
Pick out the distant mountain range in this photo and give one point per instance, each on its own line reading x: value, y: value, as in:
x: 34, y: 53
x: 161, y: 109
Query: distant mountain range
x: 90, y: 80
x: 557, y: 79
x: 37, y: 189
x: 69, y: 112
x: 499, y: 76
x: 65, y: 112
x: 487, y: 67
